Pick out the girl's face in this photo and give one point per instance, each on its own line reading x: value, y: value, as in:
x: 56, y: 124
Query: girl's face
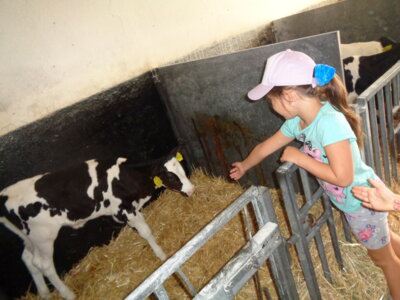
x: 282, y: 106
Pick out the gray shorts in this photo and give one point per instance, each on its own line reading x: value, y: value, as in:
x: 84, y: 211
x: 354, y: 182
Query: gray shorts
x: 370, y: 227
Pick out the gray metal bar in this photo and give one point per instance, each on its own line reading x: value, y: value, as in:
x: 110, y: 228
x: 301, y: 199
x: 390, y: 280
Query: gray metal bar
x: 289, y: 198
x: 250, y: 236
x: 322, y: 255
x: 390, y: 124
x: 186, y: 281
x: 161, y: 293
x: 332, y: 229
x: 375, y: 137
x: 306, y: 185
x: 396, y: 84
x: 280, y: 259
x: 227, y: 283
x: 346, y: 228
x: 383, y: 134
x: 366, y: 151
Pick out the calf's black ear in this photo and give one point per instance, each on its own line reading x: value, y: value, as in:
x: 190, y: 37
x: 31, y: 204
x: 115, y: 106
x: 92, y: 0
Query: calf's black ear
x: 176, y: 149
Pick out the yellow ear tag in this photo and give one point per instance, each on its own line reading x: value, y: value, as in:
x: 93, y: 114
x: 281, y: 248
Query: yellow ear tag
x: 387, y: 48
x: 179, y: 156
x: 158, y: 182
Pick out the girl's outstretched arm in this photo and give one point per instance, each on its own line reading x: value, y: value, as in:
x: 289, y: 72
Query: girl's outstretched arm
x: 340, y: 169
x: 261, y: 151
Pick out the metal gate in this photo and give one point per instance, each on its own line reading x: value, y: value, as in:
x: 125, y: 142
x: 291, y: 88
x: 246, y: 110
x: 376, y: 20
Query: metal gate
x: 266, y: 244
x: 378, y: 107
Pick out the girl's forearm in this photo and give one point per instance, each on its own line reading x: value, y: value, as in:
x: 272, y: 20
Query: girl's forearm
x: 264, y: 149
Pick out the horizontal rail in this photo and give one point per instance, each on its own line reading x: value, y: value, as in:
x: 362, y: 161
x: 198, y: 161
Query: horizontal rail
x: 379, y: 84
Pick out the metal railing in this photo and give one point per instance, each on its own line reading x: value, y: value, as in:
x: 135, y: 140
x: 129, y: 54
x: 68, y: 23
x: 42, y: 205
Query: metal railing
x: 266, y: 244
x: 378, y: 106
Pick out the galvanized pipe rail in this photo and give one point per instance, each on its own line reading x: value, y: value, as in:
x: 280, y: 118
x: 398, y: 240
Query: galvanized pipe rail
x: 267, y: 243
x: 377, y: 106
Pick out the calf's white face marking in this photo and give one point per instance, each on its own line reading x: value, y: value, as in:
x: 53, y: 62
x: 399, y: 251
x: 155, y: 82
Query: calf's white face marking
x: 175, y: 167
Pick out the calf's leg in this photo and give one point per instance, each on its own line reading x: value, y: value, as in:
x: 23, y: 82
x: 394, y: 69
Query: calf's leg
x: 36, y: 274
x: 144, y: 230
x: 43, y: 260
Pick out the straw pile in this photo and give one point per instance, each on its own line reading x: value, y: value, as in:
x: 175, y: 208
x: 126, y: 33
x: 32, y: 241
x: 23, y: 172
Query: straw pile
x: 112, y: 271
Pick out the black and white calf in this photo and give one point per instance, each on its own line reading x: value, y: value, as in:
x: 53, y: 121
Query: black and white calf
x: 365, y: 62
x: 361, y: 71
x: 36, y: 208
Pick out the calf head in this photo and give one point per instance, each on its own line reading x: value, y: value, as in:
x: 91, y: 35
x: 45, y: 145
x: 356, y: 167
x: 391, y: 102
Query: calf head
x: 170, y: 174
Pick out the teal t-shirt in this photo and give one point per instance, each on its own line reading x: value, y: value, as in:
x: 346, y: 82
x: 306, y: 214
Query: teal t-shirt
x: 330, y: 126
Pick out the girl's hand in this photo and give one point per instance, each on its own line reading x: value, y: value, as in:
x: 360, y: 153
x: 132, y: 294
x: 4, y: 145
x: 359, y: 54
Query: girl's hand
x: 237, y: 171
x: 291, y: 154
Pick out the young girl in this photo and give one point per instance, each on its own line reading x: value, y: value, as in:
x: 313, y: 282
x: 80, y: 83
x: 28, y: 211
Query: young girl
x: 313, y: 101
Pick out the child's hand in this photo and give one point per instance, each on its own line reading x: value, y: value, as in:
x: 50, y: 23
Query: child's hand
x: 237, y: 171
x: 291, y: 154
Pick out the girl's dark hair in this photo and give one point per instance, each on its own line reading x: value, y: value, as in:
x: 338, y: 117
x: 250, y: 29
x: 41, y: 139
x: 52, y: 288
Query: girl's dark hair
x: 335, y: 92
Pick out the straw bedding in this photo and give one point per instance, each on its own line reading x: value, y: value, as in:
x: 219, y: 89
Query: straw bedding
x: 113, y: 270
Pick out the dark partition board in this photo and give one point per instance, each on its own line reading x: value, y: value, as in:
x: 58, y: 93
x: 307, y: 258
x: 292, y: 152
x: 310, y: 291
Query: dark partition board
x: 209, y: 110
x: 357, y: 21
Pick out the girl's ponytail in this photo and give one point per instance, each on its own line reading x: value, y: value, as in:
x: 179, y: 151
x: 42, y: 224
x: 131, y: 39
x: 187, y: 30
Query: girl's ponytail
x: 336, y: 93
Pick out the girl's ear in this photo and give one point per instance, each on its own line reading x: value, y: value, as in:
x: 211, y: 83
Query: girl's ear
x: 289, y: 95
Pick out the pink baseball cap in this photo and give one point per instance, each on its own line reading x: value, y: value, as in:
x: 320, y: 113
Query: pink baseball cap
x: 286, y: 68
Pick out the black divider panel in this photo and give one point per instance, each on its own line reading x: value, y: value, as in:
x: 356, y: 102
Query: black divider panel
x: 209, y: 110
x: 357, y: 21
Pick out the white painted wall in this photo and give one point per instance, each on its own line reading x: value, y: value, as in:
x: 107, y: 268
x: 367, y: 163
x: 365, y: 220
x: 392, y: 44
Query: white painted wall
x: 54, y: 53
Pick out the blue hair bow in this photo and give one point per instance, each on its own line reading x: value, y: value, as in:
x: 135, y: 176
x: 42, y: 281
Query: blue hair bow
x: 323, y: 73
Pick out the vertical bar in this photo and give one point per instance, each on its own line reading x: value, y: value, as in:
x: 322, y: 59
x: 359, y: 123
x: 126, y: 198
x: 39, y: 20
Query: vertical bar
x: 256, y: 276
x: 383, y: 135
x: 322, y: 255
x: 346, y: 228
x: 396, y: 84
x: 306, y: 185
x: 289, y: 198
x: 332, y: 229
x: 161, y: 293
x: 186, y: 281
x: 375, y: 137
x: 280, y: 258
x: 363, y: 112
x: 391, y: 140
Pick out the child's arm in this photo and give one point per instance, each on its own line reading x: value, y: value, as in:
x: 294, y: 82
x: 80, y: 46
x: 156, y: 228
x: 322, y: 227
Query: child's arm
x: 340, y: 169
x: 262, y: 150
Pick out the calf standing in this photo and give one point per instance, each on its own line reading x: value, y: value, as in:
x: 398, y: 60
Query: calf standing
x: 36, y: 208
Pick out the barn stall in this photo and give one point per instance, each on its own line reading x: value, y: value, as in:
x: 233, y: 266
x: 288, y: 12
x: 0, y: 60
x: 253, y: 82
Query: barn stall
x: 95, y: 137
